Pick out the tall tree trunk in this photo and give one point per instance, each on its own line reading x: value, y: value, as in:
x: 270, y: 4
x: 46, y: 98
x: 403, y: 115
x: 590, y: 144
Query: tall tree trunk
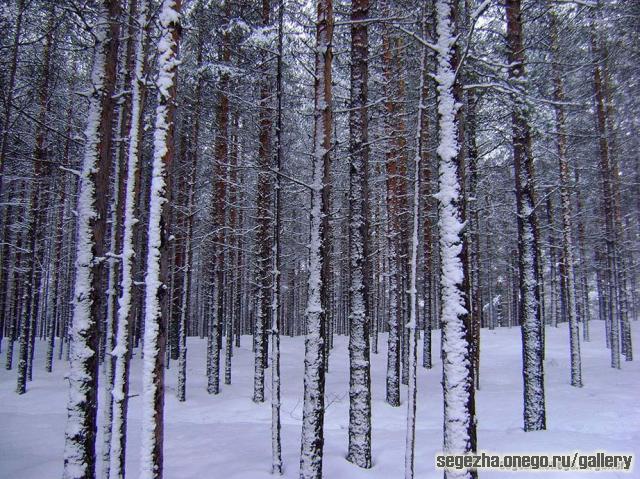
x: 103, y: 175
x: 459, y: 417
x: 359, y: 361
x: 529, y: 308
x: 263, y: 208
x: 219, y: 196
x: 80, y: 434
x: 121, y: 352
x: 125, y: 110
x: 396, y: 209
x: 314, y: 372
x: 151, y: 462
x: 276, y: 308
x: 607, y: 204
x: 36, y: 221
x: 409, y: 454
x: 565, y: 199
x: 10, y: 92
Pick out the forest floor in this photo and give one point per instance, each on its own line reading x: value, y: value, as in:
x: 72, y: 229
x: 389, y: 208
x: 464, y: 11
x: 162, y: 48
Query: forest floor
x: 228, y: 436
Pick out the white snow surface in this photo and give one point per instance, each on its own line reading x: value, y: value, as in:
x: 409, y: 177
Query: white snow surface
x: 229, y: 436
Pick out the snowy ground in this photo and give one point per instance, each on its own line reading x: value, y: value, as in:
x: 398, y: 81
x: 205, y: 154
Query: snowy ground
x: 228, y: 436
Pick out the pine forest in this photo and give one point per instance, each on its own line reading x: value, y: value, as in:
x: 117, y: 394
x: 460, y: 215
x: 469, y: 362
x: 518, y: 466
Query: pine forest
x: 244, y: 239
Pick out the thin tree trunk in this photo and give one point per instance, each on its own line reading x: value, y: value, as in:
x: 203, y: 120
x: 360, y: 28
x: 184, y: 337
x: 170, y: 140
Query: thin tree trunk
x: 567, y: 241
x: 276, y: 441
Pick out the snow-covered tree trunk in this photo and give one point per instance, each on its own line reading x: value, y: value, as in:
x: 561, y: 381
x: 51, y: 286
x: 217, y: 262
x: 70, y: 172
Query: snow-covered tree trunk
x: 529, y: 310
x: 583, y: 261
x: 565, y: 199
x: 314, y: 362
x: 359, y: 361
x: 613, y: 332
x: 409, y: 454
x: 615, y: 273
x: 123, y: 126
x: 121, y: 352
x: 105, y: 195
x: 80, y: 432
x: 186, y: 288
x: 186, y: 285
x: 396, y: 189
x: 459, y: 427
x: 221, y: 154
x: 411, y: 327
x: 14, y: 290
x: 233, y: 291
x: 35, y: 256
x: 113, y: 276
x: 37, y: 217
x: 57, y: 276
x: 276, y: 305
x: 426, y: 198
x: 10, y: 87
x: 154, y: 322
x: 264, y: 226
x: 393, y: 338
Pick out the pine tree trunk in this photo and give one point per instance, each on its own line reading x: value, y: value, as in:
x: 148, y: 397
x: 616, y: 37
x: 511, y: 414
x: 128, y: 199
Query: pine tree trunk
x: 103, y: 175
x: 20, y: 7
x: 359, y: 362
x: 607, y: 205
x: 276, y: 308
x: 80, y: 434
x: 529, y: 308
x: 36, y: 223
x: 151, y: 462
x: 263, y: 207
x: 396, y: 171
x: 459, y: 417
x: 411, y: 326
x: 567, y: 241
x: 121, y: 352
x: 314, y: 373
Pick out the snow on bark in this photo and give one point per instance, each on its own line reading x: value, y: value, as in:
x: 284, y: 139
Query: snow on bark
x: 395, y: 235
x: 121, y: 351
x: 313, y: 409
x: 529, y: 312
x: 276, y: 443
x: 312, y: 440
x: 411, y: 327
x: 409, y: 455
x: 80, y: 432
x: 108, y: 364
x: 393, y: 338
x: 264, y: 226
x: 565, y: 199
x: 457, y: 382
x: 276, y: 440
x: 154, y: 341
x: 360, y: 367
x: 181, y: 389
